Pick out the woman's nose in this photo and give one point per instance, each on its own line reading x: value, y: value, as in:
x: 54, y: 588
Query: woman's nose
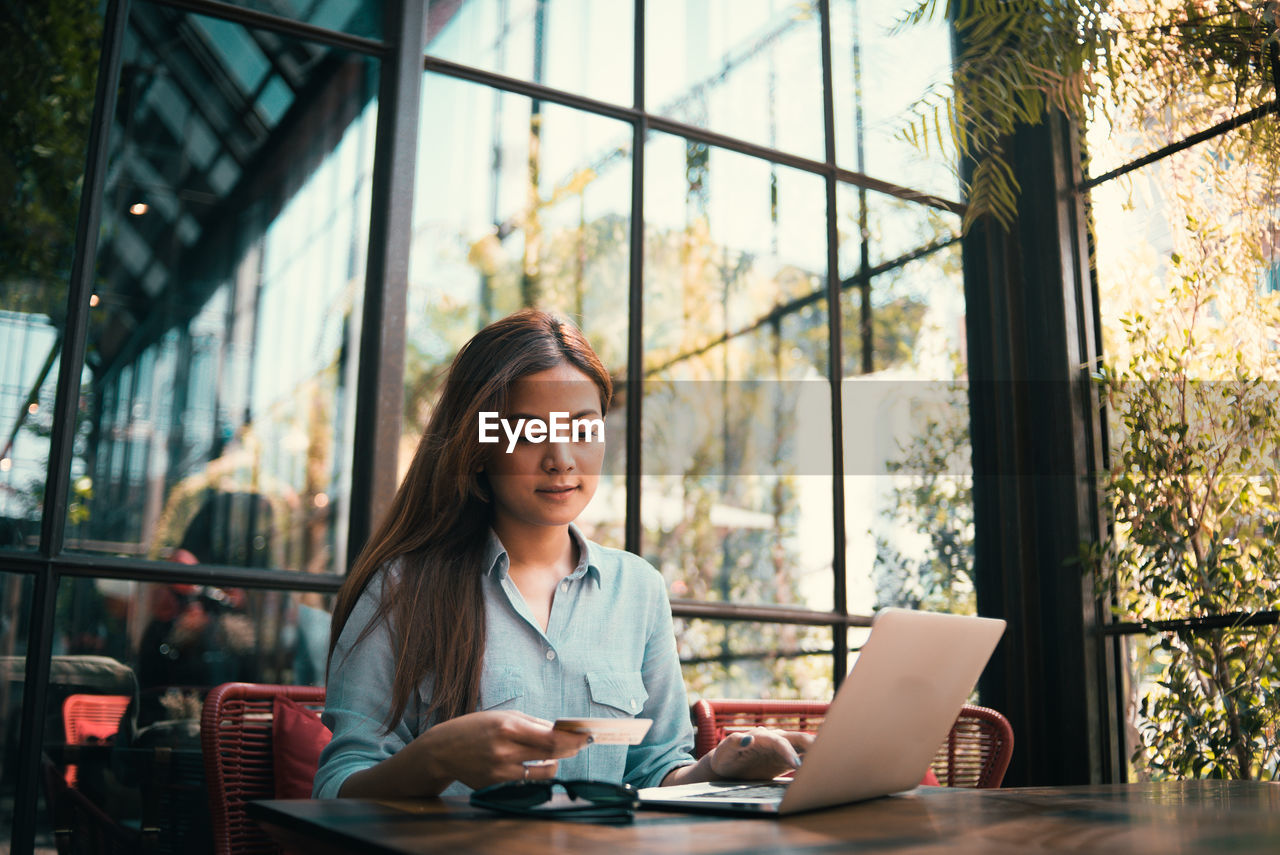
x: 559, y: 457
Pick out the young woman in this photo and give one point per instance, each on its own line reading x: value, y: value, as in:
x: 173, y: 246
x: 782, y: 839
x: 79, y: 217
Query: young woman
x: 478, y: 613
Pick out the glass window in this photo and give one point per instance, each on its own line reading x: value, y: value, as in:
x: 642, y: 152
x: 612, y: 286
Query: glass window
x: 1186, y: 252
x: 580, y: 46
x: 1191, y: 692
x: 739, y: 659
x: 880, y: 72
x: 30, y: 351
x: 245, y: 61
x: 736, y: 492
x: 751, y: 70
x: 543, y: 220
x: 132, y: 664
x: 15, y: 617
x: 354, y: 17
x: 44, y: 138
x: 220, y: 370
x: 897, y: 230
x: 908, y: 473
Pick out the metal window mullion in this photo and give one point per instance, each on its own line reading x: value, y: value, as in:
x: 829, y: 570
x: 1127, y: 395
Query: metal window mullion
x: 764, y: 613
x: 93, y: 566
x: 1238, y: 121
x: 290, y: 77
x: 1092, y: 454
x: 689, y: 132
x: 219, y: 575
x: 633, y: 528
x: 285, y: 26
x: 1226, y: 620
x: 380, y: 383
x: 840, y: 642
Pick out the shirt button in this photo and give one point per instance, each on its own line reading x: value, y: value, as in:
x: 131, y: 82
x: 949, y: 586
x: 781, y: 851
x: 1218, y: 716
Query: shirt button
x: 564, y: 586
x: 551, y: 654
x: 633, y: 703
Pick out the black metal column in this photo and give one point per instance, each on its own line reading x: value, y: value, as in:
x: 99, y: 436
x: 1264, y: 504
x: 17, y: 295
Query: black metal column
x: 380, y: 387
x: 633, y: 524
x: 1037, y: 446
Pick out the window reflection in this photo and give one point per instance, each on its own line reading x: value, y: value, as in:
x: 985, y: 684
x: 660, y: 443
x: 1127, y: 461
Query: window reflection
x: 51, y: 67
x: 908, y: 473
x: 736, y: 489
x: 542, y: 220
x: 356, y: 17
x: 897, y: 231
x: 231, y: 277
x: 132, y: 664
x: 738, y: 659
x: 30, y: 348
x: 880, y: 70
x: 750, y: 69
x: 179, y: 640
x: 579, y: 46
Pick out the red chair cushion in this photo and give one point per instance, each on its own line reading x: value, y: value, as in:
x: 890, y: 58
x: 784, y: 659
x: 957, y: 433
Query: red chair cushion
x: 297, y: 738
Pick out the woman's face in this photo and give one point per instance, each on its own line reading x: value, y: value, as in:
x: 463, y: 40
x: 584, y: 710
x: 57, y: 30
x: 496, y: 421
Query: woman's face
x: 546, y: 483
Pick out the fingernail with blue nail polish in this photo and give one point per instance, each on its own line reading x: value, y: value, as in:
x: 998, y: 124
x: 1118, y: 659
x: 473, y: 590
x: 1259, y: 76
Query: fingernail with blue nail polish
x: 745, y: 741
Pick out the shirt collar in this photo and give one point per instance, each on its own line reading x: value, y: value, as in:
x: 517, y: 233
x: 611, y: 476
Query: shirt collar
x: 496, y: 561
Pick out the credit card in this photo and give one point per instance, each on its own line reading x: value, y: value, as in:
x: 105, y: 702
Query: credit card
x: 608, y: 731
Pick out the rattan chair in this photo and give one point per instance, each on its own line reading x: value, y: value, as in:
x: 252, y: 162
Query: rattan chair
x: 975, y: 753
x: 235, y: 738
x: 91, y: 718
x: 81, y: 826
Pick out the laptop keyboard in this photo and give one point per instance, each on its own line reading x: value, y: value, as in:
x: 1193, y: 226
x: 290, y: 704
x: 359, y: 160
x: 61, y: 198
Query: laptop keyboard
x: 746, y: 791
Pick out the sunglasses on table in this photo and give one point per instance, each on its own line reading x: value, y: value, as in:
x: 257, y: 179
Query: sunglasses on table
x: 601, y: 801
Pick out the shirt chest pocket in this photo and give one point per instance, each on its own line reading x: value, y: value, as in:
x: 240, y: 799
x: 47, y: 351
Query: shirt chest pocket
x: 616, y: 693
x: 501, y: 692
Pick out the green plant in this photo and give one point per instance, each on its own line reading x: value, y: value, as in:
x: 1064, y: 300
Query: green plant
x: 933, y: 500
x: 1133, y: 63
x: 1190, y: 383
x: 1195, y: 492
x: 51, y: 71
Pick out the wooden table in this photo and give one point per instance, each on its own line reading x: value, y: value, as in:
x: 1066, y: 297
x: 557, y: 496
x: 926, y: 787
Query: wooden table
x: 1177, y: 817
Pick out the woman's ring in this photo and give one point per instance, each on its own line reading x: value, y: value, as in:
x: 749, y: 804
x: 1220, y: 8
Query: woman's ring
x: 526, y: 773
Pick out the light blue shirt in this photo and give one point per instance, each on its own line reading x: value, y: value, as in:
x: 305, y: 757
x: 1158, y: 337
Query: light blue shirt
x: 609, y: 650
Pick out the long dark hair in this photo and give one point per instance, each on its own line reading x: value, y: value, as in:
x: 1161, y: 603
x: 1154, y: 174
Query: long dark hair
x: 439, y: 519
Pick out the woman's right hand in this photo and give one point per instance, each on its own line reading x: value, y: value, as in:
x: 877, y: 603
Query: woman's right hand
x: 489, y: 747
x: 477, y: 749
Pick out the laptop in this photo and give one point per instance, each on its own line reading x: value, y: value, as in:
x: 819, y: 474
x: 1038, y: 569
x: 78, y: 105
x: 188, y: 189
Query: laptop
x: 883, y: 727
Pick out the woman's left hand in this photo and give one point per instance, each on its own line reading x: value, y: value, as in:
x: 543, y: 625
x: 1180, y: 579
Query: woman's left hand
x: 759, y: 754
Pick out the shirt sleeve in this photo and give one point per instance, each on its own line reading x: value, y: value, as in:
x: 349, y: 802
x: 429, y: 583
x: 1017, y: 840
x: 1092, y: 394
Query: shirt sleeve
x: 356, y: 697
x: 669, y: 743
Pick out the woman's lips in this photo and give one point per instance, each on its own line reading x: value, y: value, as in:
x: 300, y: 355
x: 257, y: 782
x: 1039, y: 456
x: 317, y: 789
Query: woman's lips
x: 558, y: 492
